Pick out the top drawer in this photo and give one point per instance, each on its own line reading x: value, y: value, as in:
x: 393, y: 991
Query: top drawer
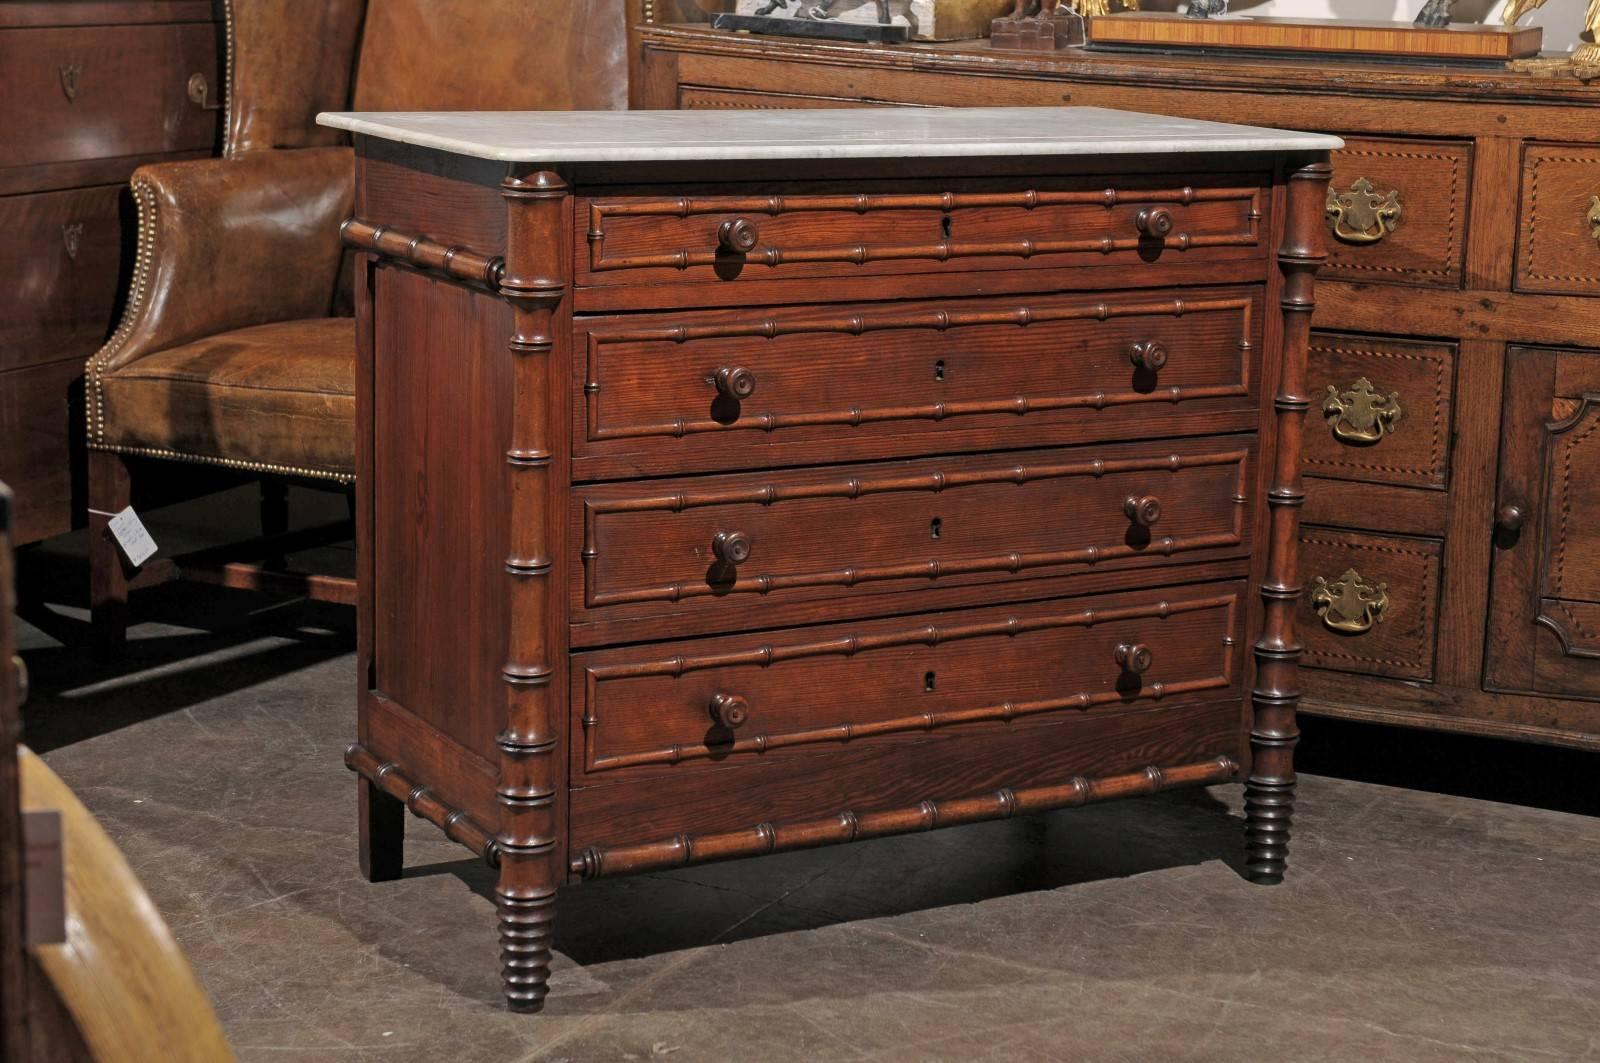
x: 834, y: 230
x: 101, y: 92
x: 1397, y: 212
x: 1560, y: 227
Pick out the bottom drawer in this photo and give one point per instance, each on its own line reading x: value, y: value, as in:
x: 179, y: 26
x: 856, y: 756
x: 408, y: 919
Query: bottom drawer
x: 1371, y: 602
x: 945, y: 704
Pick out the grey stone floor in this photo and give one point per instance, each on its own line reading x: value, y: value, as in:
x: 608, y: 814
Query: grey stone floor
x: 1415, y: 926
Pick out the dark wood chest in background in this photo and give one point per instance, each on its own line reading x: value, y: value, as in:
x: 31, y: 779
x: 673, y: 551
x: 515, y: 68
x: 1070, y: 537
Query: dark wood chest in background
x: 92, y: 90
x: 1450, y: 538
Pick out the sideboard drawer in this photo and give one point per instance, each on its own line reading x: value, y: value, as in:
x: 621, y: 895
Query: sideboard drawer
x: 1384, y: 406
x: 729, y: 700
x: 1371, y: 602
x: 847, y: 231
x: 705, y: 389
x: 1560, y: 230
x: 1397, y: 211
x: 667, y: 546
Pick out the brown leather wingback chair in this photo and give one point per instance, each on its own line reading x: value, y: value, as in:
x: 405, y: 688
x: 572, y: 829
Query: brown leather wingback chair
x: 232, y: 351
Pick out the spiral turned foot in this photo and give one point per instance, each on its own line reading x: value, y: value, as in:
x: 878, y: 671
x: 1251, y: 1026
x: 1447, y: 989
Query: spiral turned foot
x: 525, y: 936
x: 1268, y: 812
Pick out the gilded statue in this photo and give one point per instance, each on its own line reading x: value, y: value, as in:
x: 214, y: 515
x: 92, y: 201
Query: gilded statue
x: 1588, y: 51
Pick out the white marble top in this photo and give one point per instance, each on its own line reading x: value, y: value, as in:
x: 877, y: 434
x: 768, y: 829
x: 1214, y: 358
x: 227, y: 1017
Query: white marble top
x: 853, y: 133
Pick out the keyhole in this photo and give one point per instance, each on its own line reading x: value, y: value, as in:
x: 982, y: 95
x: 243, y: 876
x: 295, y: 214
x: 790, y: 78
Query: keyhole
x: 944, y: 226
x: 935, y: 527
x: 938, y: 369
x: 927, y: 683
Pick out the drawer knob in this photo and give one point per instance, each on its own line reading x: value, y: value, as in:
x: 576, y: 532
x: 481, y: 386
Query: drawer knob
x: 1363, y: 215
x: 1151, y: 355
x: 736, y: 382
x: 739, y: 235
x: 1134, y: 657
x: 1509, y: 519
x: 730, y: 710
x: 1358, y: 414
x: 1154, y: 221
x: 1143, y: 510
x: 1349, y: 605
x: 731, y: 548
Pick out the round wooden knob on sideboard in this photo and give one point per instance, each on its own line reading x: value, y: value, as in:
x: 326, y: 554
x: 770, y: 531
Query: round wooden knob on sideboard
x: 1154, y: 221
x: 739, y: 235
x: 1143, y: 510
x: 1134, y: 657
x: 1509, y: 518
x: 1149, y: 354
x: 731, y: 548
x: 736, y: 382
x: 730, y: 710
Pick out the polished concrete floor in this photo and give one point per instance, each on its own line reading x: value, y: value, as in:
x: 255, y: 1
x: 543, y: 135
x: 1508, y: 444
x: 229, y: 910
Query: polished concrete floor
x: 1415, y: 926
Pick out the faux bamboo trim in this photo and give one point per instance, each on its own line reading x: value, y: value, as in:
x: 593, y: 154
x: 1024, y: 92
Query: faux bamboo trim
x: 681, y: 850
x: 453, y: 260
x: 423, y: 803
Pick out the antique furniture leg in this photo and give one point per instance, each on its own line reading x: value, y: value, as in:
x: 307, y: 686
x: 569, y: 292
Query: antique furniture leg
x: 274, y: 517
x: 381, y: 832
x: 532, y: 863
x: 109, y: 494
x: 1269, y: 791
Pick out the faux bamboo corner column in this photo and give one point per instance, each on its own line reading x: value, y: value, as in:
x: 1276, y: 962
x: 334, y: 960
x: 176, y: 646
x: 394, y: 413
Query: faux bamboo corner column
x: 532, y: 865
x: 1269, y: 791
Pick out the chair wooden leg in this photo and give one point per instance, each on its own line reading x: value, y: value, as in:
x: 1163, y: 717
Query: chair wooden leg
x: 274, y: 516
x: 109, y: 493
x: 380, y: 832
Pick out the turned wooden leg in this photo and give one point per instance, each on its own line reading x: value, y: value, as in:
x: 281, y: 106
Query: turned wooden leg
x: 1269, y: 809
x: 109, y: 493
x: 381, y: 831
x: 526, y: 920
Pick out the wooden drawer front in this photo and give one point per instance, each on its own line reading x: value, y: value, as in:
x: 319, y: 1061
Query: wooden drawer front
x: 812, y: 689
x: 849, y: 232
x: 64, y: 254
x: 100, y: 92
x: 1424, y: 241
x: 1371, y: 602
x: 1560, y: 230
x: 1384, y: 405
x: 852, y: 373
x: 860, y: 529
x: 41, y: 412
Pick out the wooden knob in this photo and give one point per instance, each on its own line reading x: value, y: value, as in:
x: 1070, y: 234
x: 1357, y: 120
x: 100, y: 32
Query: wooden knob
x: 1151, y: 354
x: 739, y: 235
x: 730, y: 710
x: 736, y: 382
x: 1154, y: 221
x: 1134, y: 657
x: 1509, y: 518
x: 1143, y: 510
x: 732, y: 548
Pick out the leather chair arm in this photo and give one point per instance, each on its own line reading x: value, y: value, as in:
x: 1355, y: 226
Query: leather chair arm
x: 229, y: 243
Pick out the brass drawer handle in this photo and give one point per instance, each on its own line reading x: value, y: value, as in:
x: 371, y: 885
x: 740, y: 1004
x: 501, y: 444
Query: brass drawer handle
x: 1143, y: 510
x: 729, y: 710
x: 736, y: 382
x: 200, y: 92
x: 731, y: 548
x: 1358, y: 414
x: 1154, y: 221
x: 1134, y: 657
x: 1151, y: 355
x: 1349, y: 604
x: 739, y: 235
x: 1593, y: 218
x: 1363, y: 215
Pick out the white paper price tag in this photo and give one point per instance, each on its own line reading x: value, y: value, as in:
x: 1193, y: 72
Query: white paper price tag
x: 130, y: 533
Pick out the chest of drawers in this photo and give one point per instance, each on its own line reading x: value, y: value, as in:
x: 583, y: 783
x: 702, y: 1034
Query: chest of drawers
x: 743, y: 484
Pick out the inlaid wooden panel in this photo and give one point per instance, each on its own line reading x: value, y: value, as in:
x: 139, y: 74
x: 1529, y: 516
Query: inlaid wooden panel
x: 865, y: 228
x: 1381, y: 409
x: 816, y: 689
x: 672, y: 546
x: 1371, y: 602
x: 733, y: 388
x: 1559, y: 242
x: 1425, y: 242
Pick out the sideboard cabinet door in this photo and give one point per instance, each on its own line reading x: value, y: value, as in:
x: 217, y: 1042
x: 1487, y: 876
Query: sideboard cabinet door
x: 1544, y: 623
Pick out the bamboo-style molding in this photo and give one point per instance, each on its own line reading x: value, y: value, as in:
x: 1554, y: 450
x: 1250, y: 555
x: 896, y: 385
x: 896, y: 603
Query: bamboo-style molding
x: 391, y: 778
x: 859, y: 254
x: 856, y: 487
x: 937, y: 320
x: 847, y: 826
x: 452, y: 260
x: 1270, y: 789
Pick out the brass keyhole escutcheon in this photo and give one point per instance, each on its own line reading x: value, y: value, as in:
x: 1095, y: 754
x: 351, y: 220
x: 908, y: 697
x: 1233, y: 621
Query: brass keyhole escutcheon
x: 935, y: 527
x: 1359, y: 414
x: 1363, y: 215
x: 938, y: 370
x: 1349, y: 605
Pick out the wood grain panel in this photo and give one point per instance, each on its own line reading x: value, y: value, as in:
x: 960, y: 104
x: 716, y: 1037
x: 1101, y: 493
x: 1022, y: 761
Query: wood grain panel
x: 1405, y: 571
x: 1428, y: 243
x: 41, y: 417
x: 1559, y: 246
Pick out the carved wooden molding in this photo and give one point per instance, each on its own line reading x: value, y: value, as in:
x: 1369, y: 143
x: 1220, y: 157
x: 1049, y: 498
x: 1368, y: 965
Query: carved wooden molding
x: 1579, y: 429
x: 856, y: 487
x: 921, y: 635
x: 847, y: 826
x: 1578, y: 635
x: 421, y: 253
x: 773, y: 206
x: 392, y: 779
x: 934, y: 320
